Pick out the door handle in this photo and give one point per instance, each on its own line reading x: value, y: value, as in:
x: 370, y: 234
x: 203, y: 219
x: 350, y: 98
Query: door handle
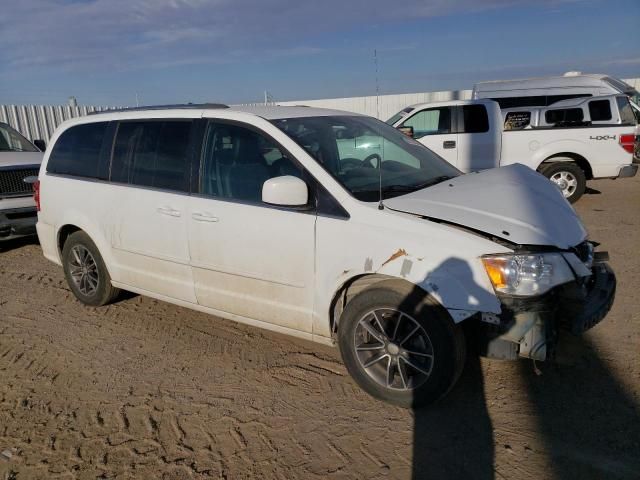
x: 449, y: 144
x: 204, y: 217
x: 169, y: 211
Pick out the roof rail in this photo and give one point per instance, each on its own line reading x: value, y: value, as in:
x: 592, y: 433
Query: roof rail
x: 163, y: 107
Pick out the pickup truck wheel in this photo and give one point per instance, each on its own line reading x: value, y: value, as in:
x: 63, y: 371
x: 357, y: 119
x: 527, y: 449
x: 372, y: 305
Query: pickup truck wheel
x: 569, y: 178
x: 400, y: 345
x: 86, y: 272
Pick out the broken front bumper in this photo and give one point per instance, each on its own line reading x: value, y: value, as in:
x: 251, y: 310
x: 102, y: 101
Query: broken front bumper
x: 528, y: 327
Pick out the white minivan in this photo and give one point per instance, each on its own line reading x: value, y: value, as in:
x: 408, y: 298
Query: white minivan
x: 325, y: 225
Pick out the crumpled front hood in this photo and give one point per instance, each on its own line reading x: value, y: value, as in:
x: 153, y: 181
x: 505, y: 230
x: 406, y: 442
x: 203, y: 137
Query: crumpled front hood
x: 514, y: 203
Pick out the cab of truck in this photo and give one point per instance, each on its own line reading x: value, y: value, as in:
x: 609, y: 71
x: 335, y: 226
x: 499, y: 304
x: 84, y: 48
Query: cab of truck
x: 466, y: 133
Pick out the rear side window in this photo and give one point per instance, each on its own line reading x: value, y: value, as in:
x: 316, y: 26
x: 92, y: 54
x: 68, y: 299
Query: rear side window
x: 77, y: 151
x: 517, y: 120
x: 476, y: 119
x: 626, y: 112
x: 564, y: 116
x: 152, y: 154
x: 600, y: 110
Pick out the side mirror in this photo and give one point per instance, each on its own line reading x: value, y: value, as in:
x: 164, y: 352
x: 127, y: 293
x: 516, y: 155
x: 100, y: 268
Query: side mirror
x: 286, y: 190
x: 408, y: 131
x: 41, y: 144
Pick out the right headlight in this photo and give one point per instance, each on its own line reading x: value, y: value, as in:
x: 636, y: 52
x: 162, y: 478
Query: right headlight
x: 527, y: 274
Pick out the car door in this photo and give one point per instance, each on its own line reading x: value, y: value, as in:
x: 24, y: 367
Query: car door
x: 432, y: 127
x: 248, y: 258
x: 479, y: 138
x: 150, y: 177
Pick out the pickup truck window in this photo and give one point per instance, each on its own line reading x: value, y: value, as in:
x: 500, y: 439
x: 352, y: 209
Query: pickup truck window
x: 517, y: 120
x: 432, y: 121
x: 564, y: 116
x: 626, y: 112
x: 600, y: 110
x: 476, y: 119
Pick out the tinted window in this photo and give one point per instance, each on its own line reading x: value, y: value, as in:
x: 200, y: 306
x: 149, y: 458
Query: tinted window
x: 564, y: 116
x: 534, y: 101
x: 77, y: 151
x: 153, y: 154
x: 626, y: 112
x: 600, y: 110
x: 476, y: 119
x: 517, y: 120
x: 237, y: 161
x: 430, y: 122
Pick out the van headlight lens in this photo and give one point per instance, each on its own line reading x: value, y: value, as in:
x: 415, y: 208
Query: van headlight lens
x: 526, y: 275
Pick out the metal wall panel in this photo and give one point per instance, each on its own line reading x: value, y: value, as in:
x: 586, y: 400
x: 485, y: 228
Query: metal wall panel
x: 40, y: 121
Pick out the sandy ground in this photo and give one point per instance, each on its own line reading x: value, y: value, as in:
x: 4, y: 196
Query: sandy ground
x: 144, y: 389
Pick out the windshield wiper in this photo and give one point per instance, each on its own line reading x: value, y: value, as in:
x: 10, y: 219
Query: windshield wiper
x: 420, y: 186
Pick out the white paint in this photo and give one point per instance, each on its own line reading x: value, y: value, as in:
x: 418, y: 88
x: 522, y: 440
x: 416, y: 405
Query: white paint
x: 280, y: 268
x: 598, y: 145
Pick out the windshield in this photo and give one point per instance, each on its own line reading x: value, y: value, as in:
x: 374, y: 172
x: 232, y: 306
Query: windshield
x: 363, y: 153
x: 401, y: 114
x: 12, y: 141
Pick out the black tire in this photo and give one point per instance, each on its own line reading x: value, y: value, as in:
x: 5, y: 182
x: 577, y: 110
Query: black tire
x: 446, y: 339
x: 104, y: 292
x: 572, y: 169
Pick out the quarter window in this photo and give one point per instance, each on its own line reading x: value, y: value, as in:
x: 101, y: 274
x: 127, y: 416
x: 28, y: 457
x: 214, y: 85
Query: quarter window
x: 600, y: 110
x: 626, y: 112
x: 432, y: 121
x: 153, y: 154
x: 77, y: 151
x: 237, y: 161
x: 476, y: 119
x: 562, y: 116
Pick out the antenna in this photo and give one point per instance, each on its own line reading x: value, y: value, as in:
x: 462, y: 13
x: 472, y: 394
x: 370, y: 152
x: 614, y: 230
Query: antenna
x: 380, y: 203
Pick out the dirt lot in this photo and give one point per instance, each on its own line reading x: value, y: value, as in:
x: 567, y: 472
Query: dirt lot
x: 143, y: 389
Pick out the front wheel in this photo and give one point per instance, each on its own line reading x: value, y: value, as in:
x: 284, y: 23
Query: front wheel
x: 568, y: 177
x: 400, y: 345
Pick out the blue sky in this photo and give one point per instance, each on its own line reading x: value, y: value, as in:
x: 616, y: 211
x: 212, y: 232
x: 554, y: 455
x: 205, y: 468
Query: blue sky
x: 165, y: 51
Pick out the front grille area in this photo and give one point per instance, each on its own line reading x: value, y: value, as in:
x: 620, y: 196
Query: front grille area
x: 12, y: 182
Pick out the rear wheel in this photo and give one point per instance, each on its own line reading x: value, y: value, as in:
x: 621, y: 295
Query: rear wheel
x: 569, y: 178
x: 86, y: 272
x: 400, y: 345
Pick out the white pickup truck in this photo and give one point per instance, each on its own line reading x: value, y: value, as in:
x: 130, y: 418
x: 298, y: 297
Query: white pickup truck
x: 569, y: 142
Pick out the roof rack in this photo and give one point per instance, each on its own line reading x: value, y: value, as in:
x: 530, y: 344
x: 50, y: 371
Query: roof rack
x: 163, y: 107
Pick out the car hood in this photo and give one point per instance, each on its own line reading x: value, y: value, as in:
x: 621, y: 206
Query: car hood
x: 513, y: 203
x: 9, y: 159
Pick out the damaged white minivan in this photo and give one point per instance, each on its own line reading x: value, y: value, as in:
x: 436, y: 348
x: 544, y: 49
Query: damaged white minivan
x: 325, y: 225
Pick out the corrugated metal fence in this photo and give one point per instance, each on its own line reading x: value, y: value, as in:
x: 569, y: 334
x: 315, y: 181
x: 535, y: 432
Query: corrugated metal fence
x: 40, y: 121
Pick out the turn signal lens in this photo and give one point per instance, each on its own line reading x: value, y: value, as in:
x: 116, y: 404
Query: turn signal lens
x: 493, y: 266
